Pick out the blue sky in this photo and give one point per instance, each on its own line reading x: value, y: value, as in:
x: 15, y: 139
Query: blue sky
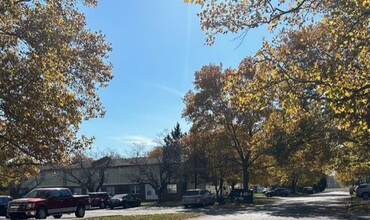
x: 157, y: 47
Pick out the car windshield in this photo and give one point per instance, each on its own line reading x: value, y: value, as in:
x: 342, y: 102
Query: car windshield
x: 191, y: 193
x: 38, y: 194
x: 119, y: 196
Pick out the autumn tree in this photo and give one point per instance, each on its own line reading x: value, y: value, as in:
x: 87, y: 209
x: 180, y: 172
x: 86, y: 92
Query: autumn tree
x: 351, y: 168
x: 51, y: 67
x: 220, y: 159
x: 17, y: 190
x: 320, y: 55
x: 209, y: 159
x: 208, y: 108
x: 303, y: 148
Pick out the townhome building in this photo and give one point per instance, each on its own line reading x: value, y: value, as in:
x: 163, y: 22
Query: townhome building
x: 118, y: 176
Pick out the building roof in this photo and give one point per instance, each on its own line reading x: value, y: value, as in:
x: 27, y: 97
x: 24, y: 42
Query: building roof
x: 118, y: 162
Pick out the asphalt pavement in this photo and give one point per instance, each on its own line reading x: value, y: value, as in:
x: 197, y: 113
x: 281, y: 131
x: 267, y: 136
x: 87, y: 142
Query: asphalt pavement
x: 328, y: 205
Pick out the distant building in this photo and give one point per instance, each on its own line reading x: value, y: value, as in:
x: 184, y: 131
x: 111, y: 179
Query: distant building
x: 121, y: 176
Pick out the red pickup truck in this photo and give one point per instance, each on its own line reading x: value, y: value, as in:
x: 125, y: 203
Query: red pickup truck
x: 42, y: 202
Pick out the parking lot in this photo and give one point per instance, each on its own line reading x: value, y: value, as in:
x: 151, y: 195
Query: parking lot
x: 329, y: 205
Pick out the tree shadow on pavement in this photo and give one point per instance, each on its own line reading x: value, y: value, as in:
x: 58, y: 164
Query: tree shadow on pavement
x: 336, y: 210
x: 293, y: 209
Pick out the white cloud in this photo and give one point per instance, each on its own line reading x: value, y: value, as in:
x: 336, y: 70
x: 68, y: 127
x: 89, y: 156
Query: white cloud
x: 171, y: 90
x: 136, y: 139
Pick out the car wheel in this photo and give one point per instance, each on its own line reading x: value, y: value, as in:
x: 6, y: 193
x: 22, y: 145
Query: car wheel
x: 365, y: 196
x: 41, y: 213
x: 111, y: 207
x: 268, y: 195
x: 186, y: 206
x: 80, y: 212
x: 57, y: 216
x: 102, y: 205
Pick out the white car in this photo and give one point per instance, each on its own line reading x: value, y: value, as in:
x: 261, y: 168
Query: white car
x: 265, y: 190
x: 200, y: 197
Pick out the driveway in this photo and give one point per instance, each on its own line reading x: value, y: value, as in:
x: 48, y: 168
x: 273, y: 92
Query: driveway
x: 330, y: 205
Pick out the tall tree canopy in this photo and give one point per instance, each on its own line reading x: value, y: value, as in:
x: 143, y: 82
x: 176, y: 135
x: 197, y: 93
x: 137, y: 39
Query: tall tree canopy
x: 319, y: 56
x: 208, y: 108
x: 51, y: 67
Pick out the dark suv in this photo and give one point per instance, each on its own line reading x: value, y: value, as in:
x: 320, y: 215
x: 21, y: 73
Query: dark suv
x: 363, y: 190
x: 99, y: 199
x: 241, y: 195
x: 4, y: 200
x: 278, y: 192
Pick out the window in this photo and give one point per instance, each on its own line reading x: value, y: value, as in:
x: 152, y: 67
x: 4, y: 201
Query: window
x: 77, y: 191
x: 134, y: 189
x: 56, y: 193
x: 65, y: 193
x: 171, y: 188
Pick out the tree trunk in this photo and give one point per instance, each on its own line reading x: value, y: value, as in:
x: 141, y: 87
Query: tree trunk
x: 159, y: 193
x: 217, y: 189
x: 221, y: 186
x: 195, y: 173
x: 294, y: 184
x: 233, y: 186
x: 245, y: 176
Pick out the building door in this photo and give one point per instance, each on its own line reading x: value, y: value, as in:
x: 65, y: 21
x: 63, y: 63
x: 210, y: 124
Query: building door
x: 150, y: 193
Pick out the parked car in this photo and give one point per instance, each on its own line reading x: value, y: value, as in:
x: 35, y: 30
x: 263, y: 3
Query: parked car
x: 241, y: 195
x: 363, y: 191
x: 124, y: 200
x: 4, y: 200
x: 198, y: 197
x: 99, y: 199
x: 265, y: 190
x: 307, y: 190
x: 278, y: 192
x: 42, y: 202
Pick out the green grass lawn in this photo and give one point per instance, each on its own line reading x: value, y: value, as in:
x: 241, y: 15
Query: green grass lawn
x: 167, y: 216
x: 265, y: 200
